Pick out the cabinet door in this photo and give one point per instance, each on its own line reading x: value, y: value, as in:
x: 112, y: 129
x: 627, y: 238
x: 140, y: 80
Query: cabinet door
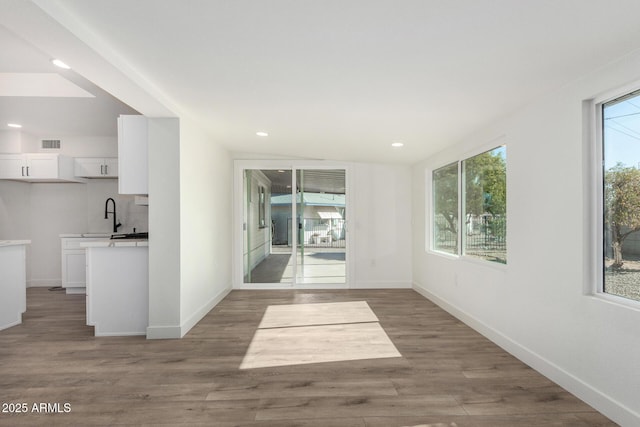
x: 42, y: 166
x: 89, y: 167
x: 12, y: 166
x: 74, y: 269
x: 111, y: 167
x: 133, y: 155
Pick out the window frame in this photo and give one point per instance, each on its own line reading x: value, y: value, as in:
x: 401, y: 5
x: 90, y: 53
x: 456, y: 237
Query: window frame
x: 593, y: 112
x: 430, y: 205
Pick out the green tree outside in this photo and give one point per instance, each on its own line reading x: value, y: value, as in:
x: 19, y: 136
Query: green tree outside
x: 445, y: 203
x: 621, y: 206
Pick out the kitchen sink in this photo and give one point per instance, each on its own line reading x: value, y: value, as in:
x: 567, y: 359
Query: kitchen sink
x: 144, y: 235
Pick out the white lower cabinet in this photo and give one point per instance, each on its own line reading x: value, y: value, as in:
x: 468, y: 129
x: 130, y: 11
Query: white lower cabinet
x: 74, y: 269
x: 118, y: 298
x: 12, y: 284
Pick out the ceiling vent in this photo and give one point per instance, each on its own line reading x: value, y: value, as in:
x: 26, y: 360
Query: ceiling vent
x: 50, y: 144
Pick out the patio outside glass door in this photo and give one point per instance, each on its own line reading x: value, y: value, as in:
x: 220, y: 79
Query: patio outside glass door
x: 321, y: 215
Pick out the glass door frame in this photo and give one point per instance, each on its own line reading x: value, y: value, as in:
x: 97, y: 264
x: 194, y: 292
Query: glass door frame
x: 240, y: 166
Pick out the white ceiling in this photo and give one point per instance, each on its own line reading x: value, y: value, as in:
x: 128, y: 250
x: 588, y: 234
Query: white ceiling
x: 48, y: 101
x: 342, y: 79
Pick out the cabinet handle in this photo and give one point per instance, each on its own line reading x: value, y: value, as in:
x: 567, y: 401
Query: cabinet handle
x: 106, y: 169
x: 101, y: 169
x: 27, y: 170
x: 23, y: 171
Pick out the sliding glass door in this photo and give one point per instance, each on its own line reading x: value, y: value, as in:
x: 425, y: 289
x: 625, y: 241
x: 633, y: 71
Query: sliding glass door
x: 294, y: 227
x: 321, y: 212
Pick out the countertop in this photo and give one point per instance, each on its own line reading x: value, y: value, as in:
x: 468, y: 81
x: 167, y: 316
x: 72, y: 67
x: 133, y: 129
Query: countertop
x: 14, y: 242
x: 97, y: 235
x: 118, y: 243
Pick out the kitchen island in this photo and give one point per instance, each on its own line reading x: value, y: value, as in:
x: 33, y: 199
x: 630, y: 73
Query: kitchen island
x: 117, y: 286
x: 13, y: 282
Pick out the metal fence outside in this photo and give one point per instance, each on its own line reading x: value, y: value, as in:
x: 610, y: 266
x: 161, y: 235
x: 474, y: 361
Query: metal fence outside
x: 485, y: 236
x: 320, y: 233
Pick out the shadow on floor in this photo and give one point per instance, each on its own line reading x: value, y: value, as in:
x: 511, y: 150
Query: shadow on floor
x: 271, y: 269
x: 333, y: 256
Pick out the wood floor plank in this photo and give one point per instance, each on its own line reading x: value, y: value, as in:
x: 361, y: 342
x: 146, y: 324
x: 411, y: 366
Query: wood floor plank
x: 447, y: 375
x: 293, y: 387
x: 331, y: 407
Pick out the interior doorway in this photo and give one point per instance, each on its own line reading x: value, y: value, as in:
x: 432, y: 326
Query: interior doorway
x: 294, y: 226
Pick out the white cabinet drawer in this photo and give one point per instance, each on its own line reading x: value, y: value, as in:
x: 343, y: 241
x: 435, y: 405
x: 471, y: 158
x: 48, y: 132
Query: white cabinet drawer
x: 74, y: 242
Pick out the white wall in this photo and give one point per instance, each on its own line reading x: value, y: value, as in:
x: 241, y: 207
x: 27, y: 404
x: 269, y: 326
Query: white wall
x: 10, y: 141
x: 14, y: 203
x: 164, y: 228
x: 205, y: 224
x: 380, y: 219
x: 89, y: 146
x: 537, y: 307
x: 54, y: 209
x: 189, y: 226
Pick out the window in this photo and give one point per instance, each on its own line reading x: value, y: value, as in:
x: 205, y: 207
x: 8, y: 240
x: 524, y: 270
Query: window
x: 445, y: 209
x: 478, y: 189
x: 485, y: 205
x: 621, y: 196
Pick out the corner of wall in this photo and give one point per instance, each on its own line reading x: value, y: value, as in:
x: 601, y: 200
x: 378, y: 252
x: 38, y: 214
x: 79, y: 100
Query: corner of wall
x: 199, y: 314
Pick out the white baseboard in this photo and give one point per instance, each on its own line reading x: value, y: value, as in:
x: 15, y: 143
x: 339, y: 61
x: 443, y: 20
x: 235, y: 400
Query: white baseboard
x: 179, y: 331
x: 43, y: 283
x: 12, y: 324
x: 381, y: 285
x: 310, y: 286
x: 600, y: 401
x: 119, y: 334
x: 200, y: 313
x: 163, y: 332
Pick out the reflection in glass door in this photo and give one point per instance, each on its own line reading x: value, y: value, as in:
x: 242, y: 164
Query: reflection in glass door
x: 268, y: 249
x: 321, y: 224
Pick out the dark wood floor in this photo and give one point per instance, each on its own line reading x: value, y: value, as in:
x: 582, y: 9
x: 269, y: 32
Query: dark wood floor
x: 448, y: 375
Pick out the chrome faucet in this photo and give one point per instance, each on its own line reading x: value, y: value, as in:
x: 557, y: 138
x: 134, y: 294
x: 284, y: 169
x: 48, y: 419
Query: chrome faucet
x: 106, y: 214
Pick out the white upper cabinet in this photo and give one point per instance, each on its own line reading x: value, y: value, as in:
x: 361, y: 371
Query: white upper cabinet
x: 133, y: 142
x: 37, y: 167
x: 96, y: 167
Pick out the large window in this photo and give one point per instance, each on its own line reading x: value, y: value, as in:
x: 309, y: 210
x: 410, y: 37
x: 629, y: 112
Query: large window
x: 621, y: 196
x: 445, y: 209
x: 476, y: 192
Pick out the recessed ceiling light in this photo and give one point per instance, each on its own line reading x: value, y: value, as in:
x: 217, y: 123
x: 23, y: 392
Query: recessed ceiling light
x: 60, y: 64
x: 397, y: 144
x: 14, y: 125
x: 262, y: 133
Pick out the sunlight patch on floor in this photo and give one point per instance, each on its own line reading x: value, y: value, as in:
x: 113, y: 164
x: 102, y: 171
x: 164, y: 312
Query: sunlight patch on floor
x: 314, y: 333
x: 278, y: 316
